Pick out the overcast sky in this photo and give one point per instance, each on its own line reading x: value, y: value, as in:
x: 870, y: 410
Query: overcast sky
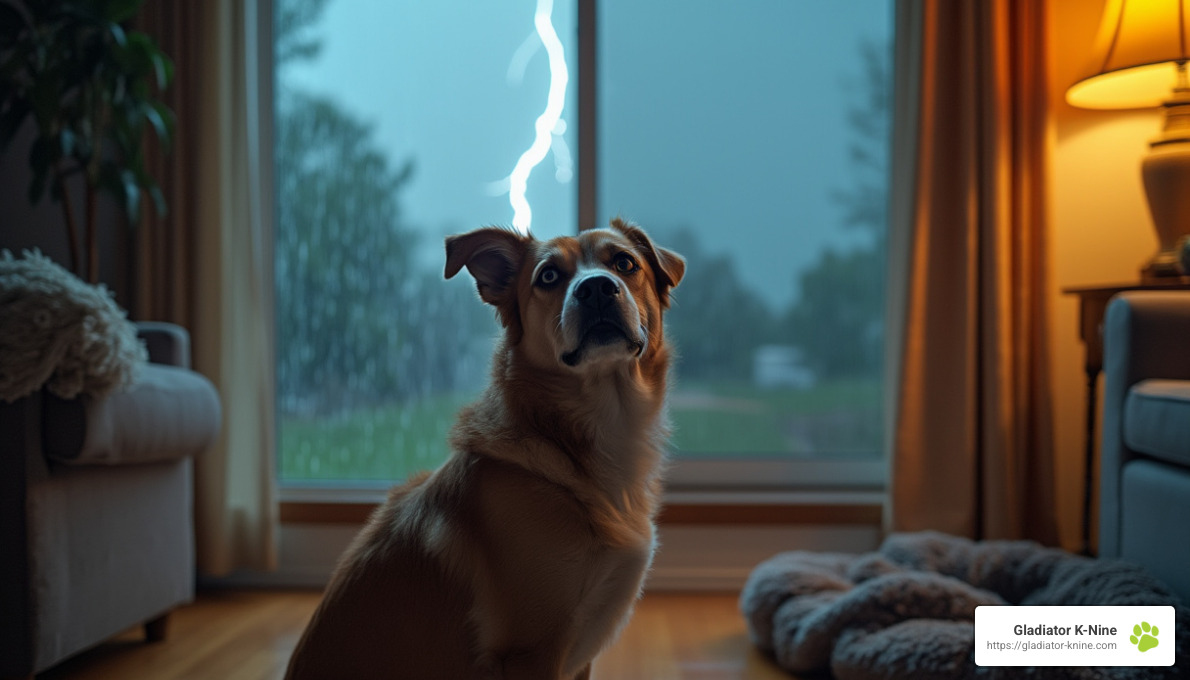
x: 728, y: 117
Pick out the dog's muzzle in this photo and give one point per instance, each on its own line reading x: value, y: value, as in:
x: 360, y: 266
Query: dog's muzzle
x: 602, y: 310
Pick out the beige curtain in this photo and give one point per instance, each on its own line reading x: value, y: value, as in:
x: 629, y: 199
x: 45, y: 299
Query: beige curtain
x: 970, y: 427
x: 208, y: 264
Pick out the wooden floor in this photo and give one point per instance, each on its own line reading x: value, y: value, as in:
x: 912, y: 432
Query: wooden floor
x: 248, y: 635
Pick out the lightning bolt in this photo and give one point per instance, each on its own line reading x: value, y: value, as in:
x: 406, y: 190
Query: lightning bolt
x: 549, y: 124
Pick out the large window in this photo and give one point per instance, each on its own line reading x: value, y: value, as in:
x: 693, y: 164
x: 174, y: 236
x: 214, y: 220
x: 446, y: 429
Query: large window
x: 398, y: 123
x: 750, y: 136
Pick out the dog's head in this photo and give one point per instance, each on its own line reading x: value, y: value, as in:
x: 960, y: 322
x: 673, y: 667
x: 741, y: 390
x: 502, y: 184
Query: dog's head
x: 573, y: 303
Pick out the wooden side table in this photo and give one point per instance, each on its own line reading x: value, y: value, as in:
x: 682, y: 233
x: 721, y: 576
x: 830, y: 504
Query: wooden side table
x: 1091, y: 310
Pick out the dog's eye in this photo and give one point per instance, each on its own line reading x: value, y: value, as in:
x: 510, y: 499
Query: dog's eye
x: 624, y: 264
x: 548, y: 276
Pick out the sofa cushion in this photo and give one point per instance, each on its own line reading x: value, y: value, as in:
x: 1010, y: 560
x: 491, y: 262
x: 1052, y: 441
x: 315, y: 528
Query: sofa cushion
x: 1153, y: 530
x: 1157, y: 420
x: 167, y: 413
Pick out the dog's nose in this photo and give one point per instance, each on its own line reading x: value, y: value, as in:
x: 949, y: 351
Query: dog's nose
x: 597, y: 291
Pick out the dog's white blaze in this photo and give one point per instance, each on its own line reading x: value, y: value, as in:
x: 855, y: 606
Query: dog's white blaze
x: 546, y: 123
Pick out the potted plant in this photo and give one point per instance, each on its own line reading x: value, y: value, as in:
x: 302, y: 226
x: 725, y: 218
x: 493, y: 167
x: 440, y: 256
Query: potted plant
x: 89, y: 84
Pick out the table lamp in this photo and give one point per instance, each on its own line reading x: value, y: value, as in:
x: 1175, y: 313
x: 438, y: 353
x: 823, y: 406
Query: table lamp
x: 1140, y: 60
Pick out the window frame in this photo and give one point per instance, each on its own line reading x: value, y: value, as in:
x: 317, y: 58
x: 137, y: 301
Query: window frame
x: 768, y: 481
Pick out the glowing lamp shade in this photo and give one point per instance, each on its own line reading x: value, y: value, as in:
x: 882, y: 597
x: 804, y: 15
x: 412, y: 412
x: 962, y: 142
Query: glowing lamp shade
x: 1136, y: 53
x: 1140, y: 61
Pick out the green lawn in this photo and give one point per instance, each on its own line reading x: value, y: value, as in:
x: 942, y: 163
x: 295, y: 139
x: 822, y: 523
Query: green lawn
x: 392, y: 442
x: 386, y: 443
x: 833, y: 419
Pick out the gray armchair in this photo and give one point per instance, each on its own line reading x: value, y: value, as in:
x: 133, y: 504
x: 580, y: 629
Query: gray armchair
x: 1145, y: 468
x: 96, y: 519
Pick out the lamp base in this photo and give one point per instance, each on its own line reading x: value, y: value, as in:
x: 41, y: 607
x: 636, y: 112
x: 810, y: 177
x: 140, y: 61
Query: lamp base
x: 1169, y: 265
x: 1166, y: 173
x: 1161, y: 268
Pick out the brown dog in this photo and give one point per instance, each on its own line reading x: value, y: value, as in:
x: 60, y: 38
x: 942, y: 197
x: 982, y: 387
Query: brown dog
x: 521, y: 557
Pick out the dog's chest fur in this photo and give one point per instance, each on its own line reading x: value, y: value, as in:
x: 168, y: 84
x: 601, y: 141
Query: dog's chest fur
x: 572, y: 514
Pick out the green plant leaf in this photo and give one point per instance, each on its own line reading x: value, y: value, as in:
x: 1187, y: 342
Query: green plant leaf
x: 167, y: 114
x: 154, y: 117
x: 131, y: 195
x: 66, y: 140
x: 162, y: 68
x: 118, y: 34
x: 158, y: 199
x: 139, y: 54
x: 87, y: 80
x: 167, y: 66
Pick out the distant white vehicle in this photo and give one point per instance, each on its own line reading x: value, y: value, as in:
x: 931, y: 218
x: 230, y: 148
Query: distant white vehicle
x: 776, y: 366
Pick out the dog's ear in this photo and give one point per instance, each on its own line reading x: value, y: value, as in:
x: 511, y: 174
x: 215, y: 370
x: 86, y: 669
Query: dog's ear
x: 668, y: 266
x: 494, y: 257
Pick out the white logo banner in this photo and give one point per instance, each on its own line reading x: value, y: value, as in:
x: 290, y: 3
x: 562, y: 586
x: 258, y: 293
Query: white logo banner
x: 1074, y: 636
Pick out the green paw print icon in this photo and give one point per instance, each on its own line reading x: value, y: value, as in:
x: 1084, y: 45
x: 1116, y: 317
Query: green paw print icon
x: 1144, y: 636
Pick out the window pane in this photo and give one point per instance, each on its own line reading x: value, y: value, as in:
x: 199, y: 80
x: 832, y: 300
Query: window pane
x: 396, y: 123
x: 752, y: 138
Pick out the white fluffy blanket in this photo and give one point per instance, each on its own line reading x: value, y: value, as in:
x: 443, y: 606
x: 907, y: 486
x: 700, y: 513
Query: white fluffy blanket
x: 57, y: 331
x: 908, y: 611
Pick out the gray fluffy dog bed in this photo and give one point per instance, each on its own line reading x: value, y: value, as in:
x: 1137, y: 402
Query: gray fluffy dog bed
x: 908, y: 610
